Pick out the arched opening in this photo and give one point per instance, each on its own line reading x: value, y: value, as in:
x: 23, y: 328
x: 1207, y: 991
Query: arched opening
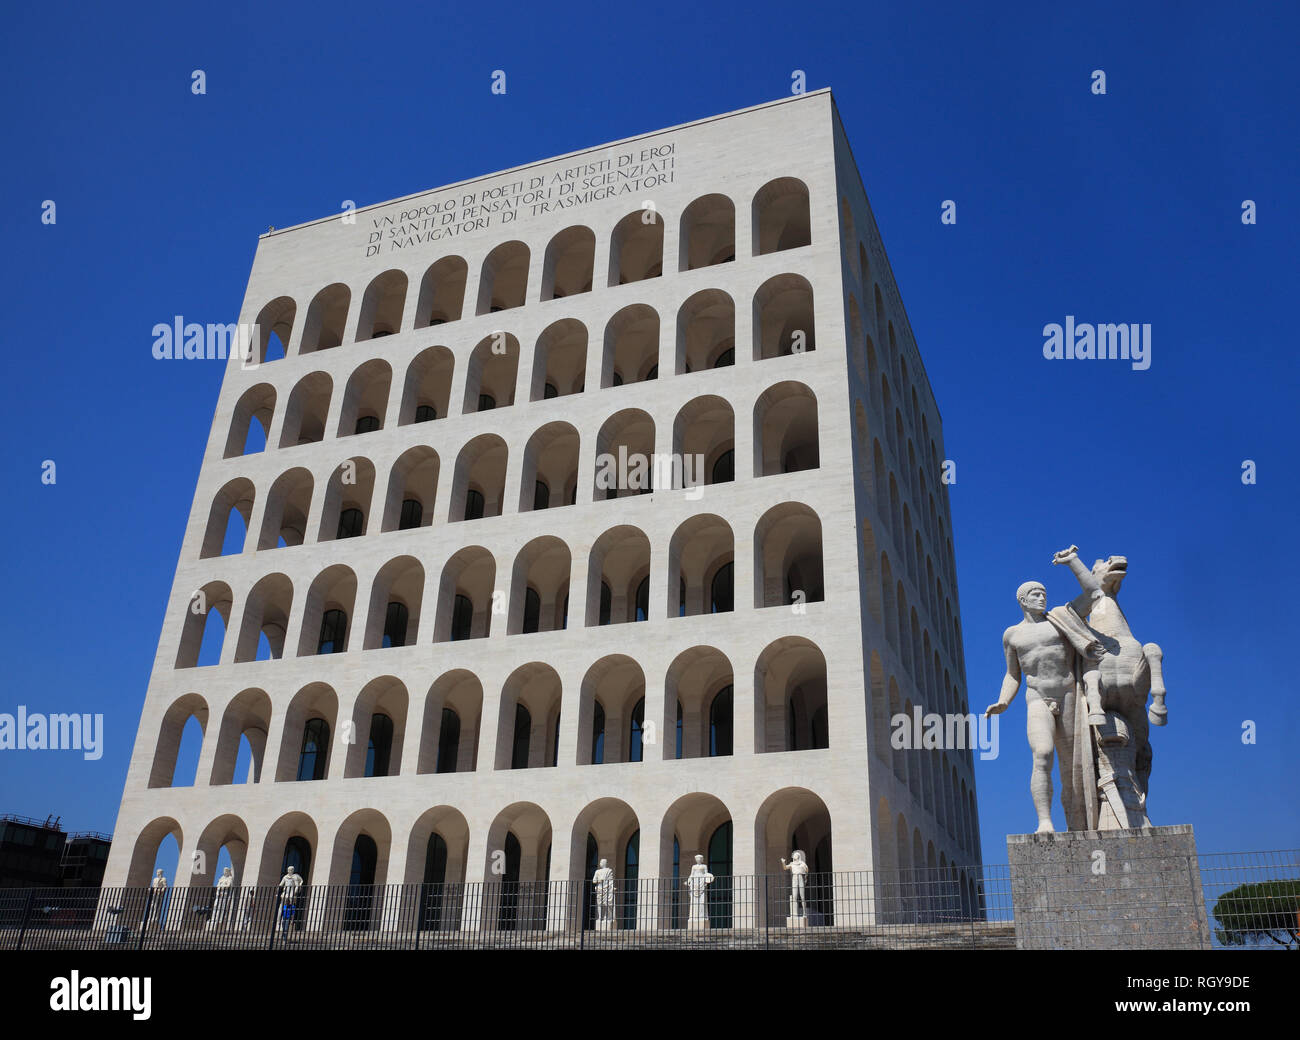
x: 493, y: 372
x: 569, y: 262
x: 275, y: 326
x: 288, y: 505
x: 442, y: 293
x: 539, y: 587
x: 365, y: 399
x: 701, y: 572
x: 250, y: 425
x: 783, y: 318
x: 518, y: 899
x: 266, y: 620
x: 550, y: 468
x: 706, y: 332
x: 788, y: 556
x: 503, y: 283
x: 308, y: 407
x: 453, y: 712
x: 559, y: 360
x: 619, y: 563
x: 708, y: 233
x: 636, y: 248
x: 180, y: 738
x: 529, y: 720
x: 795, y: 818
x: 203, y: 632
x: 611, y: 691
x: 781, y: 216
x: 465, y: 596
x: 478, y: 484
x: 426, y: 390
x: 785, y: 430
x: 790, y: 704
x: 228, y: 519
x: 412, y: 490
x: 699, y: 694
x: 382, y: 305
x: 625, y: 455
x: 346, y: 510
x: 395, y: 599
x: 631, y: 350
x: 704, y: 439
x: 327, y: 317
x: 329, y: 603
x: 242, y: 739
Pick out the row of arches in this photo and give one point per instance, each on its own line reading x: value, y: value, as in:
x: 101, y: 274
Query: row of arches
x: 780, y: 220
x: 630, y: 352
x: 627, y: 458
x: 650, y: 861
x: 619, y: 588
x: 315, y: 736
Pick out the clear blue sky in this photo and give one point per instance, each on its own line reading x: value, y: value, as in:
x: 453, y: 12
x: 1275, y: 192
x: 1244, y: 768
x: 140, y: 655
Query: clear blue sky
x: 1122, y: 208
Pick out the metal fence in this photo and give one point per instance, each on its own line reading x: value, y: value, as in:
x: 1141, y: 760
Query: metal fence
x: 1252, y: 900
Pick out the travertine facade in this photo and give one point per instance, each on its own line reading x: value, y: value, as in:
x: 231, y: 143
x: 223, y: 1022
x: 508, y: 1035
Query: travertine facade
x: 562, y: 305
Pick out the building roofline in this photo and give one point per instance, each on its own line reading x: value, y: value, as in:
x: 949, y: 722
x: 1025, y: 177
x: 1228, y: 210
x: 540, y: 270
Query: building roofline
x: 556, y: 158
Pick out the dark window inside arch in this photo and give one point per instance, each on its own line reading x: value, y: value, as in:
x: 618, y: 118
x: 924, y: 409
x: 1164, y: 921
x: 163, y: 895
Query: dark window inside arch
x: 426, y: 413
x: 636, y: 738
x: 435, y: 878
x: 448, y: 742
x: 297, y: 854
x: 606, y: 603
x: 643, y: 600
x: 412, y: 514
x: 333, y: 632
x: 367, y: 424
x: 351, y: 523
x: 555, y: 761
x: 473, y: 505
x: 719, y: 893
x: 486, y: 402
x: 508, y: 911
x: 379, y: 751
x: 681, y: 597
x: 722, y: 592
x: 720, y: 716
x: 820, y: 729
x: 564, y: 621
x: 532, y: 610
x: 589, y: 889
x: 549, y: 391
x: 523, y: 731
x: 462, y: 617
x: 541, y: 495
x: 360, y: 898
x: 597, y: 735
x: 677, y: 872
x: 679, y: 730
x: 631, y: 869
x: 395, y: 624
x: 724, y: 467
x: 315, y: 750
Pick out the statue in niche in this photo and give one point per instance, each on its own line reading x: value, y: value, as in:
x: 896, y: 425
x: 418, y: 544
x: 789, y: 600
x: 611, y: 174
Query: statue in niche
x: 603, y: 884
x: 221, y: 899
x: 697, y: 884
x: 158, y: 888
x: 798, y: 869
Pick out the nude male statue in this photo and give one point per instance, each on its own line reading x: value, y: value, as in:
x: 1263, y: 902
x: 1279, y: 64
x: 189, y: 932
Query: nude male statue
x: 798, y: 878
x: 1043, y: 649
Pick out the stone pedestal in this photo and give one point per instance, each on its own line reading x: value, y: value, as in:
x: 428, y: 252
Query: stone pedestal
x: 1108, y: 890
x: 606, y: 926
x: 796, y: 922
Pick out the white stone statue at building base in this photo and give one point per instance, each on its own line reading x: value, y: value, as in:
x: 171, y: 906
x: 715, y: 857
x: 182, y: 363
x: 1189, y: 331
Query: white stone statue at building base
x: 159, y: 891
x: 603, y: 883
x: 289, y: 886
x: 221, y: 899
x: 697, y: 884
x: 798, y: 869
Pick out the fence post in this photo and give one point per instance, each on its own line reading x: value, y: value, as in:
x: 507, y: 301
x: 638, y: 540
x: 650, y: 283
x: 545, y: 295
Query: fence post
x: 27, y: 913
x: 275, y: 919
x: 419, y: 914
x: 767, y: 916
x: 144, y: 923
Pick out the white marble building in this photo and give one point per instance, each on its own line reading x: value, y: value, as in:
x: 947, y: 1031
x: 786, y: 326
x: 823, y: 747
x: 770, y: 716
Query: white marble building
x: 531, y: 672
